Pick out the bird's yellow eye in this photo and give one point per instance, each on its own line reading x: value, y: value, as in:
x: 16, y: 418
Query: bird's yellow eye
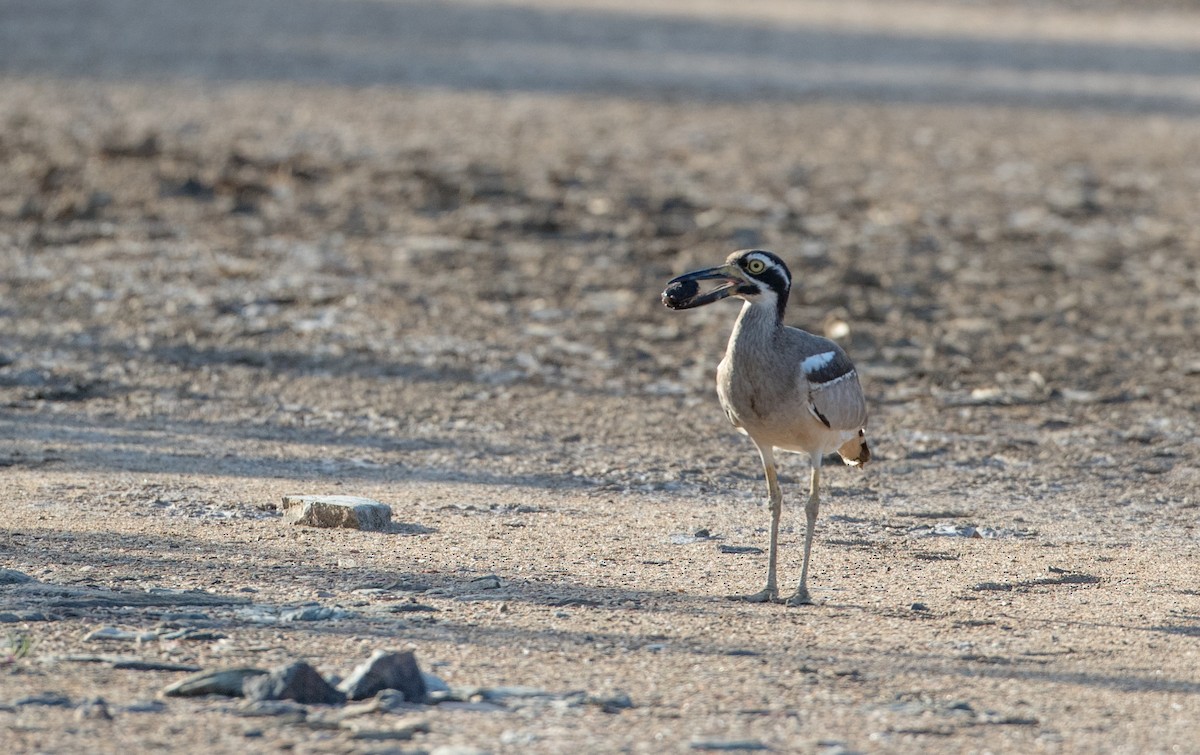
x: 756, y: 266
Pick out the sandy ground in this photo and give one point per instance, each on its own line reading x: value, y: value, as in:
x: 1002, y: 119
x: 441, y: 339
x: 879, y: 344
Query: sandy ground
x: 280, y: 253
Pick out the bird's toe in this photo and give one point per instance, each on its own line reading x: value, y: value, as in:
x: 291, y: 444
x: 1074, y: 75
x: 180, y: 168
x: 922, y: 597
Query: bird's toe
x: 766, y: 595
x: 801, y: 598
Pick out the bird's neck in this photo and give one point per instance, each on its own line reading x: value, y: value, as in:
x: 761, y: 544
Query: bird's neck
x: 756, y: 327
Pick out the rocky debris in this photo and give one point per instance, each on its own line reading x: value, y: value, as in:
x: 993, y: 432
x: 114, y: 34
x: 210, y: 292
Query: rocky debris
x: 699, y: 536
x: 1063, y: 578
x: 191, y: 634
x: 402, y: 731
x: 119, y: 635
x: 228, y: 682
x: 316, y: 613
x: 93, y: 709
x: 48, y: 596
x: 120, y: 662
x: 434, y: 683
x: 614, y: 703
x: 494, y: 699
x: 287, y: 711
x: 739, y: 549
x: 968, y: 531
x: 50, y: 699
x: 478, y: 588
x: 388, y: 681
x: 13, y: 617
x: 296, y: 681
x: 144, y: 706
x: 384, y: 701
x: 410, y: 607
x: 140, y: 665
x: 386, y: 670
x: 486, y: 582
x: 113, y: 634
x: 13, y: 577
x: 731, y: 745
x: 512, y: 692
x: 337, y: 511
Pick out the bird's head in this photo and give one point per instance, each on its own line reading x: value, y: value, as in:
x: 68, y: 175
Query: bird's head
x: 754, y: 275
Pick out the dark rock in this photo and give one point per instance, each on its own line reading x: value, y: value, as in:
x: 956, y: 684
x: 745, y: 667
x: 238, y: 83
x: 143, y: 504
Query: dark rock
x: 13, y: 577
x: 739, y: 549
x: 119, y: 145
x: 296, y: 681
x: 386, y: 670
x: 487, y: 582
x: 139, y: 665
x: 410, y: 608
x: 93, y: 709
x: 50, y: 699
x: 228, y: 682
x: 612, y: 703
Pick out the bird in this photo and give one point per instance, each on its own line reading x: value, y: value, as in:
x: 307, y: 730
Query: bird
x: 785, y: 388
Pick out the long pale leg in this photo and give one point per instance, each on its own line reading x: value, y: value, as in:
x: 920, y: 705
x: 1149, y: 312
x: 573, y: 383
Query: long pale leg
x: 771, y: 591
x: 801, y: 596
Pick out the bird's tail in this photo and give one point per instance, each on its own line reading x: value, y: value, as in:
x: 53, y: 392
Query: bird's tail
x: 855, y: 452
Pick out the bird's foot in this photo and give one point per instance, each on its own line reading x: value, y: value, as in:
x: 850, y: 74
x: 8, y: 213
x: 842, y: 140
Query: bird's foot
x: 765, y: 595
x: 800, y: 598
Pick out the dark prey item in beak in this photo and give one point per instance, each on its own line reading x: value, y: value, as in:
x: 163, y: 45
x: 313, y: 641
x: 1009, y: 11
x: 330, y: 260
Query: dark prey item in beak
x: 679, y: 293
x: 684, y: 292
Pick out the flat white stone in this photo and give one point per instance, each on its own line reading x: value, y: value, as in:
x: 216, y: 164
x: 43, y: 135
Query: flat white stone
x: 345, y: 511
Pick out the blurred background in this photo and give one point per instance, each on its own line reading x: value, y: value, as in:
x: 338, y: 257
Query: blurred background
x: 214, y: 211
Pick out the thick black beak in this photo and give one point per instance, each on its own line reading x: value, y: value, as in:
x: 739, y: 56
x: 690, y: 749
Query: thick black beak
x: 684, y: 292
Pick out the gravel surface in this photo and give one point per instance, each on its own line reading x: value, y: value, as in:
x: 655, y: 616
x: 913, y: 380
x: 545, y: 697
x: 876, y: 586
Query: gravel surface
x: 300, y: 259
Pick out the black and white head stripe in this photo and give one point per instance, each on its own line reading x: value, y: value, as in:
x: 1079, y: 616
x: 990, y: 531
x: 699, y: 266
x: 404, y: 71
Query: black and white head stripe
x: 767, y: 268
x: 827, y: 368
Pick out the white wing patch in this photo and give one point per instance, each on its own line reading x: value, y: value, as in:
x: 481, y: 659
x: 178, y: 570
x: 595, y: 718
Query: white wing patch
x: 816, y: 362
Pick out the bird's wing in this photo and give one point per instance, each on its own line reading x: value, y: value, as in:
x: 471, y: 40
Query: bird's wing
x: 835, y: 396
